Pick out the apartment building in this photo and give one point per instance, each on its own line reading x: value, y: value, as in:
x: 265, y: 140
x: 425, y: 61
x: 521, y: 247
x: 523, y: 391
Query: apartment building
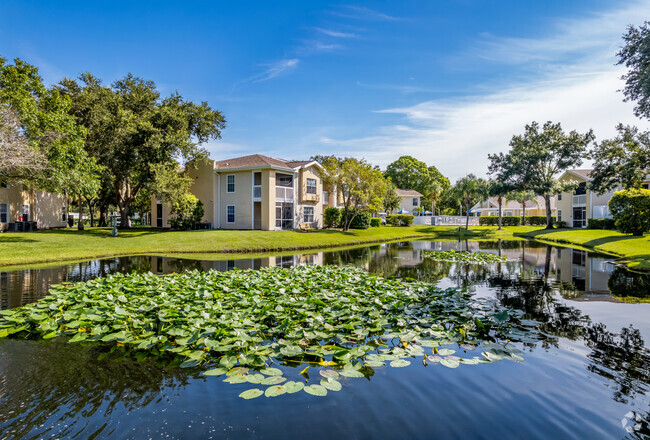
x: 254, y: 192
x: 534, y: 207
x: 22, y: 205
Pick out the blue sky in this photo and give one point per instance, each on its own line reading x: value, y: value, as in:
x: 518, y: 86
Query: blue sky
x: 445, y: 81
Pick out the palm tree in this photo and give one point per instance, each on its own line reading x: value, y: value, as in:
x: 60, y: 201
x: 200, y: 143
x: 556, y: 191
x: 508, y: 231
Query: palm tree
x: 436, y: 188
x: 522, y: 196
x: 470, y: 190
x: 499, y: 190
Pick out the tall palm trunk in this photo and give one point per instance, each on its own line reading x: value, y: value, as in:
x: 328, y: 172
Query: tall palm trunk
x: 500, y: 200
x: 523, y: 212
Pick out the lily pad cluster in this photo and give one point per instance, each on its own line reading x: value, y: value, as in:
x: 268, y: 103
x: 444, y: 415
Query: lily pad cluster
x: 465, y: 257
x: 250, y: 326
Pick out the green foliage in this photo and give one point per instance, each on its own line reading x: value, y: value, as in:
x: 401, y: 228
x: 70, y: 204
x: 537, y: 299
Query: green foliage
x: 631, y: 210
x: 635, y: 55
x: 331, y: 217
x: 601, y: 223
x: 236, y: 323
x: 410, y: 173
x: 624, y: 160
x: 561, y: 224
x: 470, y: 190
x: 375, y: 222
x: 360, y: 219
x: 392, y: 200
x: 187, y: 211
x: 465, y: 257
x: 400, y: 219
x: 494, y: 221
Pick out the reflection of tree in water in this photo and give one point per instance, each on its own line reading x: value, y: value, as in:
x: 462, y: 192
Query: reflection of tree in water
x: 49, y: 382
x: 626, y: 284
x: 621, y: 358
x: 185, y: 265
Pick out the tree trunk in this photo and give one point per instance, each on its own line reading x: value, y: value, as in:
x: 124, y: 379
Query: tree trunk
x: 549, y: 218
x: 125, y: 222
x: 433, y: 206
x: 102, y: 216
x: 523, y: 212
x: 467, y: 216
x: 91, y: 213
x: 547, y: 264
x: 500, y: 200
x: 80, y: 225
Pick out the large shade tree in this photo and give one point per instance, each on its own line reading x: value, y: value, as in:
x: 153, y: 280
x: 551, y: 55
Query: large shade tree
x: 133, y: 131
x: 537, y: 157
x: 635, y: 55
x: 623, y: 160
x: 470, y: 190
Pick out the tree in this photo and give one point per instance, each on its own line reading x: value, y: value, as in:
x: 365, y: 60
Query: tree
x: 361, y: 185
x: 470, y: 190
x: 391, y: 200
x: 537, y: 157
x: 631, y: 210
x: 410, y: 173
x: 41, y: 117
x: 522, y: 196
x: 134, y: 132
x: 18, y: 159
x: 635, y: 55
x: 623, y: 160
x: 499, y: 190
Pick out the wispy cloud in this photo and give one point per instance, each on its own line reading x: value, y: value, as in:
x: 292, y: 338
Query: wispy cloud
x: 336, y: 34
x: 363, y: 13
x: 580, y: 91
x: 403, y: 88
x: 275, y: 69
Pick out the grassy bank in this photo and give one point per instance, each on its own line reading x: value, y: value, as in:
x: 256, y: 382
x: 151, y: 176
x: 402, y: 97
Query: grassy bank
x: 70, y: 244
x: 634, y: 252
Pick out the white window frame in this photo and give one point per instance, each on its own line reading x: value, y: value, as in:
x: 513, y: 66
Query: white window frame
x: 559, y: 215
x: 307, y: 216
x: 228, y: 213
x: 312, y: 189
x: 416, y: 201
x: 326, y: 198
x: 5, y: 212
x: 228, y: 183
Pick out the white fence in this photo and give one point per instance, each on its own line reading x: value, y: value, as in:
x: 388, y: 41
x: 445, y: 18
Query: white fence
x: 444, y: 220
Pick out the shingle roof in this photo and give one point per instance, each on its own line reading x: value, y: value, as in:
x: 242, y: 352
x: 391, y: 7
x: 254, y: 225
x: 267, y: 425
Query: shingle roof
x: 256, y: 160
x: 583, y: 173
x: 408, y: 193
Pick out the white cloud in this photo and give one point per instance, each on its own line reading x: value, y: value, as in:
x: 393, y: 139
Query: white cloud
x: 579, y: 91
x: 274, y: 70
x: 336, y: 34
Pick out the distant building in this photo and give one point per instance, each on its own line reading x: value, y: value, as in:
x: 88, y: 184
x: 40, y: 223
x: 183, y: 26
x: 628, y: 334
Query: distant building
x: 20, y: 204
x: 410, y: 199
x: 534, y: 207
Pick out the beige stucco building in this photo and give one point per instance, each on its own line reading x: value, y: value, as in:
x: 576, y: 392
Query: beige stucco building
x: 410, y: 199
x: 21, y: 204
x: 254, y: 192
x: 535, y: 207
x: 577, y: 207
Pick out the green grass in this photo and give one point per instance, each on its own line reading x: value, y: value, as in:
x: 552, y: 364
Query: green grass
x: 634, y: 252
x: 70, y: 244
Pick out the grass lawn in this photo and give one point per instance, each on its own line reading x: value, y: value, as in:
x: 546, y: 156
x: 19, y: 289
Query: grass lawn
x: 70, y: 244
x: 634, y: 251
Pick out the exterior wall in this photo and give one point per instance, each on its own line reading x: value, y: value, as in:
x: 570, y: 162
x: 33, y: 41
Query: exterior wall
x: 166, y: 213
x: 241, y: 199
x: 203, y: 187
x: 14, y: 197
x: 268, y: 200
x: 48, y: 210
x: 407, y: 203
x: 310, y: 200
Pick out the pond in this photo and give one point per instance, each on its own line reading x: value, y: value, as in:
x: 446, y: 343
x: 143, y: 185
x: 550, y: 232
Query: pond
x: 590, y: 379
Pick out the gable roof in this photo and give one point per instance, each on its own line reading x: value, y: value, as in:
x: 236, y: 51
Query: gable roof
x: 253, y: 161
x: 584, y: 174
x: 408, y: 193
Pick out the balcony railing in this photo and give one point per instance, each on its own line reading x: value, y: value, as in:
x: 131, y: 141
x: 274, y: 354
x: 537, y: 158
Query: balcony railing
x: 580, y: 200
x: 283, y: 193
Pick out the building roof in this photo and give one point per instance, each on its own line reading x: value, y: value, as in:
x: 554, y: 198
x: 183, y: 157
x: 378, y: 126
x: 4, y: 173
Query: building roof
x: 408, y: 193
x: 493, y: 204
x: 585, y: 174
x: 258, y: 161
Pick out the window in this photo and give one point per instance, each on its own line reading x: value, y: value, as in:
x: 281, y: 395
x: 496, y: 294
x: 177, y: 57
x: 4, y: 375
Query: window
x: 581, y: 189
x: 24, y: 211
x: 230, y: 183
x: 230, y: 214
x: 644, y: 186
x: 4, y: 184
x: 63, y: 214
x: 326, y: 198
x: 559, y: 196
x: 309, y: 214
x: 415, y: 201
x: 4, y: 212
x: 559, y: 215
x: 311, y: 186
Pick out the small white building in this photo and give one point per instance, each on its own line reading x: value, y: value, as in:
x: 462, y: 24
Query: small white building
x: 410, y: 199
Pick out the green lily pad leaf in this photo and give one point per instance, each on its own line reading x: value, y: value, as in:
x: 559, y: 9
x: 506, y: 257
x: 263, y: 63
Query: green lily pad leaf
x: 331, y: 384
x: 273, y: 380
x: 374, y: 363
x: 228, y: 361
x: 275, y: 390
x: 472, y: 361
x: 215, y: 372
x: 434, y: 359
x: 237, y: 370
x: 316, y: 390
x: 293, y: 387
x: 329, y: 374
x: 255, y: 378
x: 237, y: 378
x: 271, y: 371
x: 450, y: 363
x: 190, y: 363
x: 400, y: 363
x: 429, y: 343
x: 78, y: 337
x: 492, y: 357
x: 469, y: 347
x: 351, y: 372
x: 445, y: 352
x: 251, y: 394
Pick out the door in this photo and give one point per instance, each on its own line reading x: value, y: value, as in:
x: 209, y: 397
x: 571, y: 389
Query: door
x: 159, y: 215
x: 257, y: 215
x: 579, y: 217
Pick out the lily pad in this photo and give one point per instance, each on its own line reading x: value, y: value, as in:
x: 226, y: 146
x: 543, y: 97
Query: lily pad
x: 275, y: 390
x: 331, y: 384
x: 316, y: 390
x: 273, y: 380
x: 329, y: 374
x: 271, y: 371
x: 398, y: 363
x: 293, y: 387
x: 215, y: 372
x: 251, y: 394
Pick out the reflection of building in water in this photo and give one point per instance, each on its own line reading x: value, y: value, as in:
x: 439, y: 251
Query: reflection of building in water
x: 586, y: 273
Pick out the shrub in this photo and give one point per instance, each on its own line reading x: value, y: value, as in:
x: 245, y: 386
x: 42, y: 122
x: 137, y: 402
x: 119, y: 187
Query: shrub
x: 601, y: 223
x: 360, y: 220
x: 561, y: 224
x: 631, y: 210
x: 537, y: 220
x: 400, y: 220
x: 332, y: 217
x: 375, y: 222
x: 188, y: 210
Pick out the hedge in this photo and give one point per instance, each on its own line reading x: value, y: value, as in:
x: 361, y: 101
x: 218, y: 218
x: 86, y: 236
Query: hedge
x: 361, y: 218
x: 534, y: 220
x: 331, y: 217
x: 601, y: 223
x: 400, y: 219
x: 375, y: 222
